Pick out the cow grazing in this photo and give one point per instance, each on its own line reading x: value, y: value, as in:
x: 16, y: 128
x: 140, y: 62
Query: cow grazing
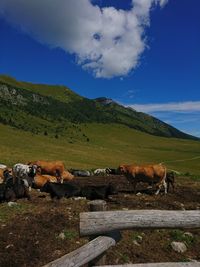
x: 58, y: 190
x: 147, y: 174
x: 54, y: 168
x: 24, y: 172
x: 98, y: 192
x: 102, y: 171
x: 170, y: 180
x: 40, y: 180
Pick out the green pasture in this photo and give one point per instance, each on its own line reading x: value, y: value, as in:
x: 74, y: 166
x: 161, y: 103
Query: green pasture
x: 107, y: 145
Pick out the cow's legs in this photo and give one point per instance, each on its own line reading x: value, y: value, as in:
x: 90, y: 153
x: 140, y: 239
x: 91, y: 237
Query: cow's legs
x: 134, y: 183
x: 27, y: 193
x: 157, y: 192
x: 172, y: 186
x: 159, y: 185
x: 165, y: 186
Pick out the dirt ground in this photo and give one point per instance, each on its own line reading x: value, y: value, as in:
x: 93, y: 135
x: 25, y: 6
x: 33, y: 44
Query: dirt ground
x: 33, y: 233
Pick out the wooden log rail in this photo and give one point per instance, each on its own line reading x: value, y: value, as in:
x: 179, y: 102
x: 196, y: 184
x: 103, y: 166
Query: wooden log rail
x: 109, y: 223
x: 95, y: 223
x: 85, y: 253
x: 166, y: 264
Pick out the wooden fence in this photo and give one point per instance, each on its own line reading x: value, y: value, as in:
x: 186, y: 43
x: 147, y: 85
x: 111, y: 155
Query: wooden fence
x: 103, y: 229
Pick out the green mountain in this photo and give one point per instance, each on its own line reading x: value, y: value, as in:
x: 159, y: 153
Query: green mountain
x: 55, y: 110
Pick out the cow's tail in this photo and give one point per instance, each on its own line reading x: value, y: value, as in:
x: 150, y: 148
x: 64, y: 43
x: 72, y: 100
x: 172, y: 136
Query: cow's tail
x: 164, y: 179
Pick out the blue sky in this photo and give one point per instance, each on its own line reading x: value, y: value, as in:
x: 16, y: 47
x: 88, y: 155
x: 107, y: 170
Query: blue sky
x: 141, y: 53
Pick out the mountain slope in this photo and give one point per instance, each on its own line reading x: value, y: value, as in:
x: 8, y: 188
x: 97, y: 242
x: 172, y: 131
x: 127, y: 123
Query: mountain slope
x: 53, y: 110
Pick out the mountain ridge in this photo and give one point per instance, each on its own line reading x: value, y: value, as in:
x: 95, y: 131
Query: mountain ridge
x: 41, y: 108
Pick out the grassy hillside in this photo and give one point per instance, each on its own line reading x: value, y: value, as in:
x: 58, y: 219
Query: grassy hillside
x: 52, y: 110
x: 108, y: 145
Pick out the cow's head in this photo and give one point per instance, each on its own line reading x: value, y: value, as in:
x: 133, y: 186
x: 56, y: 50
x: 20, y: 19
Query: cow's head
x: 32, y: 171
x: 39, y: 170
x: 7, y: 173
x: 122, y: 169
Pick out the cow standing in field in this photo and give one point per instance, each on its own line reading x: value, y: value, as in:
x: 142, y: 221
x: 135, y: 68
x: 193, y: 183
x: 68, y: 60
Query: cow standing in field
x: 151, y: 174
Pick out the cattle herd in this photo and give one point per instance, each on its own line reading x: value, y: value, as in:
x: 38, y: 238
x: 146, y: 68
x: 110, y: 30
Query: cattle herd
x: 51, y: 177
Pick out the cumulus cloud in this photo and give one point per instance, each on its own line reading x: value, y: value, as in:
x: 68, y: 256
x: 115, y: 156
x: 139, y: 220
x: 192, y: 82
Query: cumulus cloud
x: 189, y: 106
x: 106, y: 41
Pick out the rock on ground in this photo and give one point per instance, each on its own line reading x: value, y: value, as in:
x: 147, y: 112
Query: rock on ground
x: 179, y: 247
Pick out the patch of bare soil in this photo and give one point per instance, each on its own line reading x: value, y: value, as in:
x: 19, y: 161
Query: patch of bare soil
x: 30, y: 236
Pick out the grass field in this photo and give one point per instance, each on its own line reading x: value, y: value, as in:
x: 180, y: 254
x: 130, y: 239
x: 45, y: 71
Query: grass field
x: 108, y: 145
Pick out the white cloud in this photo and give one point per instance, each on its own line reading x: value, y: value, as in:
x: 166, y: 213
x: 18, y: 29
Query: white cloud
x: 106, y: 41
x: 189, y: 106
x: 183, y: 115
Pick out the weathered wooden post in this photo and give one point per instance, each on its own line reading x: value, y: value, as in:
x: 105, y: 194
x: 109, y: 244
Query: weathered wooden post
x: 98, y: 205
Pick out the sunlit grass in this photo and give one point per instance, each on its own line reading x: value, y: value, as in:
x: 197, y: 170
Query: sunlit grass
x: 108, y: 145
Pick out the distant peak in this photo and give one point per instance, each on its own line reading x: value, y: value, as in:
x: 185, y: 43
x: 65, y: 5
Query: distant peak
x: 104, y: 100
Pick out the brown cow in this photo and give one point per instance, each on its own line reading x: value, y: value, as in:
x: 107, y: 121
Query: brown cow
x: 1, y: 173
x: 40, y: 180
x: 147, y: 174
x: 2, y: 178
x: 67, y: 176
x: 54, y: 168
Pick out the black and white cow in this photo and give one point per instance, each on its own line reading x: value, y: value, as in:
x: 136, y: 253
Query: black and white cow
x: 102, y: 171
x: 25, y: 172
